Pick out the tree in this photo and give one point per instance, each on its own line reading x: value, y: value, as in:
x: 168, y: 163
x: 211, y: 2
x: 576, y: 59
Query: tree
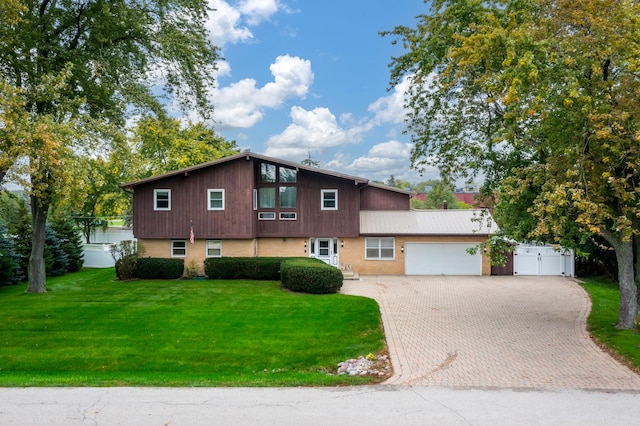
x: 9, y: 262
x: 164, y: 144
x: 78, y: 68
x: 440, y: 193
x: 540, y: 97
x: 70, y: 242
x: 310, y: 162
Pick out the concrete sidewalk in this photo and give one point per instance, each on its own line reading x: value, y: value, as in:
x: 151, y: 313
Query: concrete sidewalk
x: 491, y: 332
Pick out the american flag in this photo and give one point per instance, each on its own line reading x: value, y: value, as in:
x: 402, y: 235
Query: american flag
x: 192, y: 237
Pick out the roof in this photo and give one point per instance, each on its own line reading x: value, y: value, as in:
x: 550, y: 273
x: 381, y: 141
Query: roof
x: 427, y: 222
x: 248, y: 155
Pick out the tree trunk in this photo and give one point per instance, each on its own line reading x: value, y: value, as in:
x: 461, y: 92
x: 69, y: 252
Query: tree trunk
x: 636, y: 257
x: 37, y: 271
x: 626, y: 279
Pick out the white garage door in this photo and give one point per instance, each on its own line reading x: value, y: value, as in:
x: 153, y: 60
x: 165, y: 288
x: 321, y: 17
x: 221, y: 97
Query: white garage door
x: 441, y: 259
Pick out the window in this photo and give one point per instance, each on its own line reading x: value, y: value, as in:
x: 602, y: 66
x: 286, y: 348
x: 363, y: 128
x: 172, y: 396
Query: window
x: 267, y: 198
x: 329, y: 199
x: 323, y: 248
x: 267, y: 215
x: 267, y: 172
x: 216, y: 199
x: 288, y: 197
x: 288, y: 216
x: 179, y: 248
x: 162, y: 199
x: 288, y: 175
x: 214, y: 248
x: 379, y: 248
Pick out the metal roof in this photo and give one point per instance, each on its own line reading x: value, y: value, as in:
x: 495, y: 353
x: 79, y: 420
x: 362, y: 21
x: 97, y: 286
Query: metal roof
x: 427, y: 222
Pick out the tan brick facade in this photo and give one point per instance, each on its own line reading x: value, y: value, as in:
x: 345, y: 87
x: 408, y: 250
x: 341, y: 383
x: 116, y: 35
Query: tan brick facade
x: 351, y: 251
x: 282, y: 247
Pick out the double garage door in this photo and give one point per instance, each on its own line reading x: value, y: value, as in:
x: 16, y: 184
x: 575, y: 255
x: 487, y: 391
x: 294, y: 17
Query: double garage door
x: 441, y: 259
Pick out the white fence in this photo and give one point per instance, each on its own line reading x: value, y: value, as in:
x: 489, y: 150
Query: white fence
x: 543, y: 260
x: 111, y: 235
x: 97, y: 254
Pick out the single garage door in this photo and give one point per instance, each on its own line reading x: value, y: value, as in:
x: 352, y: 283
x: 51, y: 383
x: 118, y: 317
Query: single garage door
x: 441, y: 259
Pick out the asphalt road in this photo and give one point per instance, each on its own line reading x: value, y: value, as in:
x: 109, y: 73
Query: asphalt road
x: 369, y: 405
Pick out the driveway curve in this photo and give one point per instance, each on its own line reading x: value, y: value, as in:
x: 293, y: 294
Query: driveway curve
x: 491, y: 332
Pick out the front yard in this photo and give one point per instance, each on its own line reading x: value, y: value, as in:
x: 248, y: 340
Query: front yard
x: 605, y: 299
x: 90, y: 330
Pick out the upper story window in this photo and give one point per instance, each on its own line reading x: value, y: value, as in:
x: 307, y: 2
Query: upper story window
x: 288, y: 197
x: 277, y: 188
x: 162, y: 199
x: 267, y: 197
x: 267, y: 172
x: 216, y: 199
x: 329, y: 199
x: 288, y: 175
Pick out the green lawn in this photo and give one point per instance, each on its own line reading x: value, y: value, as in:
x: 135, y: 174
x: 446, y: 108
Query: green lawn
x: 90, y: 330
x: 605, y: 297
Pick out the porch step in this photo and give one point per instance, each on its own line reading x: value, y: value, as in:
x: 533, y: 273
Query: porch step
x: 348, y: 273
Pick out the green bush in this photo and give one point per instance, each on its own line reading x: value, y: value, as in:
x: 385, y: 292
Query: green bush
x: 125, y: 254
x: 310, y: 276
x: 150, y: 268
x: 250, y: 268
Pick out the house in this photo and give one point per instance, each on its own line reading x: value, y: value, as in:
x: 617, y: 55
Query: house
x: 253, y: 205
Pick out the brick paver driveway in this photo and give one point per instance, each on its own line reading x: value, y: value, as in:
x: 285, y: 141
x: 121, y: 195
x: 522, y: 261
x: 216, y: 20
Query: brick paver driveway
x: 491, y: 332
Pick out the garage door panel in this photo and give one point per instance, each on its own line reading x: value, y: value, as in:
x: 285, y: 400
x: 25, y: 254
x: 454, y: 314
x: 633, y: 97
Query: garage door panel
x: 441, y: 259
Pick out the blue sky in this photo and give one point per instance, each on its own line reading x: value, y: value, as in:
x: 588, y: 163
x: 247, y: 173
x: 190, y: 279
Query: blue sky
x: 304, y: 77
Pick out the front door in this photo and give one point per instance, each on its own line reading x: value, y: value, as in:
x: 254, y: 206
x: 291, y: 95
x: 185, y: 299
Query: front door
x: 325, y: 249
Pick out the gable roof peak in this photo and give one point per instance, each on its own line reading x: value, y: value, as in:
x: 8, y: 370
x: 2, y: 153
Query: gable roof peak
x: 247, y: 155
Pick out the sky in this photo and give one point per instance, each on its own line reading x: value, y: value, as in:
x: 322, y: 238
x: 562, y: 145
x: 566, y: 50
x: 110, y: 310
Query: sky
x: 311, y: 78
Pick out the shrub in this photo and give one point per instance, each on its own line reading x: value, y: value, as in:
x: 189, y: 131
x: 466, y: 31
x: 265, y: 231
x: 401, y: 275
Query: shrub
x: 310, y: 276
x: 191, y: 270
x: 159, y: 268
x: 251, y: 268
x: 126, y: 253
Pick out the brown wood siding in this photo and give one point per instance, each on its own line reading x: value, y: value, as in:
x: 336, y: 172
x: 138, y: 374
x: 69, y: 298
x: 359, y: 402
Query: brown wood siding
x: 189, y: 204
x: 311, y: 219
x: 372, y: 198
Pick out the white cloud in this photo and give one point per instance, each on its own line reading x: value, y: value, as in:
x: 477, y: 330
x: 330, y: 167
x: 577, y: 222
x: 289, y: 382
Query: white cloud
x: 242, y: 104
x: 225, y: 24
x: 231, y: 23
x: 313, y: 132
x: 382, y: 160
x: 258, y: 10
x: 390, y: 109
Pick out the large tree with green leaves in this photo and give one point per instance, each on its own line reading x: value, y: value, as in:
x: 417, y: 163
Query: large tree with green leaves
x: 164, y: 144
x: 77, y: 68
x: 542, y: 98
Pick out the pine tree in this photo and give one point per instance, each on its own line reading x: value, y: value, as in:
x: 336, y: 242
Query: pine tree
x: 70, y: 243
x: 9, y: 264
x: 56, y: 261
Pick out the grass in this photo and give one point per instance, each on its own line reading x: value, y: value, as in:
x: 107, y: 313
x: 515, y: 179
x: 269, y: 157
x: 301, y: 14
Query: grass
x: 605, y: 298
x: 90, y: 330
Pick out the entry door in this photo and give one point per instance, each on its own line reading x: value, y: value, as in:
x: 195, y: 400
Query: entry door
x: 325, y: 249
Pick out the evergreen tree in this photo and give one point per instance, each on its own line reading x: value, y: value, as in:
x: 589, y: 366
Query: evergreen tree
x: 20, y: 231
x: 9, y: 264
x: 56, y: 261
x: 70, y: 242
